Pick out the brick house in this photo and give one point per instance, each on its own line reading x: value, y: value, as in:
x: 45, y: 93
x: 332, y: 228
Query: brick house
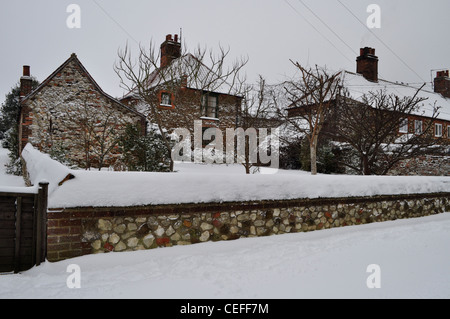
x: 366, y: 80
x: 69, y: 113
x: 367, y: 66
x: 184, y: 91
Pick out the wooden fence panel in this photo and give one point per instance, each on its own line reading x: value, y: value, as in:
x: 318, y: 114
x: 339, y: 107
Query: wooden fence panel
x: 23, y: 227
x: 7, y: 232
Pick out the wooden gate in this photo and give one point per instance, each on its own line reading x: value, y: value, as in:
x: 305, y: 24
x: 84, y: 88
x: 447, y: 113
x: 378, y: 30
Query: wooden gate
x: 23, y: 229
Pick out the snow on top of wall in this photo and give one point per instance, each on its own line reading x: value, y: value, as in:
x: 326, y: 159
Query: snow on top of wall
x: 202, y: 185
x: 41, y: 168
x: 17, y: 189
x: 107, y: 189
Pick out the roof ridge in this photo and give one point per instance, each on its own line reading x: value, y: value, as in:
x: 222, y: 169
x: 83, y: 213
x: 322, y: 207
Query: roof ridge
x: 52, y: 75
x: 397, y: 83
x: 73, y: 57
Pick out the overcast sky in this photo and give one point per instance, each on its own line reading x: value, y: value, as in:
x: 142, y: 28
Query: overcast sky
x: 414, y: 35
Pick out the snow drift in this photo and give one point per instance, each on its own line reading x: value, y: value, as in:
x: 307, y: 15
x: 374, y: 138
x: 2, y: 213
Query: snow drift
x: 41, y: 168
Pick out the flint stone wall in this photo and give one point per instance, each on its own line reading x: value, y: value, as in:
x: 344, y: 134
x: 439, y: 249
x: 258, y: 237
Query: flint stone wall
x: 76, y: 232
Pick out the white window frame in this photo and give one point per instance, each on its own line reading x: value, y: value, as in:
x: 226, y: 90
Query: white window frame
x: 403, y: 126
x: 418, y: 127
x: 437, y: 130
x: 166, y: 94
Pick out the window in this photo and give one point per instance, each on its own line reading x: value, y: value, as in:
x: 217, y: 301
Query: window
x: 418, y: 127
x: 437, y: 130
x: 210, y: 105
x: 403, y: 126
x: 166, y: 99
x: 448, y: 131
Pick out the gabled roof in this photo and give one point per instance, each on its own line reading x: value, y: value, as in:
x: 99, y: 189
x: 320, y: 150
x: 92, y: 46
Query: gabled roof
x: 357, y: 86
x: 74, y: 58
x: 190, y: 69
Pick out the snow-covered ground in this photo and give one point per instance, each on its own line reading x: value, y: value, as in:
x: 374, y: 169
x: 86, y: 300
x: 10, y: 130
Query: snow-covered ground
x: 413, y: 256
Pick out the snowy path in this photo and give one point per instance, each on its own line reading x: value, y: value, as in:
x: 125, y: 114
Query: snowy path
x: 414, y: 257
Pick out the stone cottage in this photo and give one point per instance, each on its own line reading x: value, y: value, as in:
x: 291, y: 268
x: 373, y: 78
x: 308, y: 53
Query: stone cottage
x: 69, y: 116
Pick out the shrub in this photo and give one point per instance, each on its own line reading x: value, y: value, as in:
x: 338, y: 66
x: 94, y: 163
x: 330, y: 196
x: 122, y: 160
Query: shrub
x: 143, y: 152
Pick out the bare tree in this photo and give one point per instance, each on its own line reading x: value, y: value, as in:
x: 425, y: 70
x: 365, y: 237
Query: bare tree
x: 96, y: 131
x: 313, y: 95
x: 370, y: 129
x: 89, y: 130
x: 186, y: 78
x: 256, y: 113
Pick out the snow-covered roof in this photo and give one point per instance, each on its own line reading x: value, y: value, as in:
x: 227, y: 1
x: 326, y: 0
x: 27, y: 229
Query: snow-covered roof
x: 190, y: 69
x: 357, y: 86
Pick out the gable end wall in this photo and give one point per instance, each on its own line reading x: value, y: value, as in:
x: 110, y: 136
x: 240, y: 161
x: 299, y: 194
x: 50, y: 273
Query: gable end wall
x: 49, y: 118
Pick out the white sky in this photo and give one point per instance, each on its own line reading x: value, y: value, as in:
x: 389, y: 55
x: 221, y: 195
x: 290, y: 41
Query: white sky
x: 269, y: 32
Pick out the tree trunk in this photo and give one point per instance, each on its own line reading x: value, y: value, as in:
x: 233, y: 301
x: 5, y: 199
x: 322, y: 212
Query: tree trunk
x: 163, y: 135
x: 366, y: 168
x: 247, y: 168
x: 313, y: 151
x: 247, y: 163
x: 171, y: 162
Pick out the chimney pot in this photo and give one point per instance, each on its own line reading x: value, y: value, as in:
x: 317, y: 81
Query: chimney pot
x: 26, y: 70
x: 442, y: 73
x: 176, y: 37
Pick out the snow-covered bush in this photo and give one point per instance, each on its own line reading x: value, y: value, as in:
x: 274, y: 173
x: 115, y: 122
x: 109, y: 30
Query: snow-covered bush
x: 143, y: 152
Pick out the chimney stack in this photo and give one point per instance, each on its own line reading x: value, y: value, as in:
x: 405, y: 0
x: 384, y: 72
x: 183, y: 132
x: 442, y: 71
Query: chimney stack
x: 367, y: 64
x: 170, y: 50
x: 25, y: 82
x: 442, y: 83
